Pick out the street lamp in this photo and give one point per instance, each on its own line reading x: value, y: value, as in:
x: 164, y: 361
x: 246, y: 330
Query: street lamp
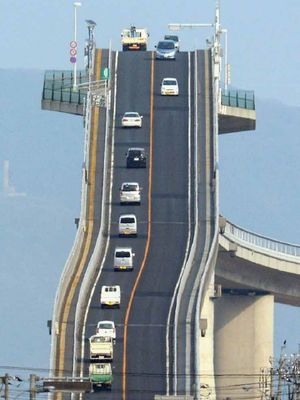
x: 91, y: 26
x: 76, y: 5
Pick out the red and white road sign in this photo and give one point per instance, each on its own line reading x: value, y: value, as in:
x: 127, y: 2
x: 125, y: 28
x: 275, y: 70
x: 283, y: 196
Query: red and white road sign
x: 73, y: 52
x: 73, y: 44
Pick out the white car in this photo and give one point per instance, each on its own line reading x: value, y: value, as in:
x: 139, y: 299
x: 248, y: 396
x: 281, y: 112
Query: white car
x: 106, y: 328
x: 131, y: 120
x: 169, y: 87
x: 127, y: 225
x: 123, y: 258
x: 130, y: 192
x: 110, y: 296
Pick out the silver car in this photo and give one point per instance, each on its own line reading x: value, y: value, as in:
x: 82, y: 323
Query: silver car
x: 166, y: 50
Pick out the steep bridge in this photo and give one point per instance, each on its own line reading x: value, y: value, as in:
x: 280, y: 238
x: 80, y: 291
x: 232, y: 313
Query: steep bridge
x: 196, y: 315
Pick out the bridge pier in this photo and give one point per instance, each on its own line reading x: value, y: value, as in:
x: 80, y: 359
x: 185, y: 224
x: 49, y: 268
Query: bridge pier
x: 243, y: 333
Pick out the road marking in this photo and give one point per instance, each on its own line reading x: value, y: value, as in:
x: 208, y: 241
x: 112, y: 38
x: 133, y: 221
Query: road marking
x: 89, y: 230
x: 148, y: 234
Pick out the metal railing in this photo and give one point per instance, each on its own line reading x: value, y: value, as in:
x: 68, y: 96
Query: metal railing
x: 58, y: 86
x: 239, y: 98
x: 263, y: 242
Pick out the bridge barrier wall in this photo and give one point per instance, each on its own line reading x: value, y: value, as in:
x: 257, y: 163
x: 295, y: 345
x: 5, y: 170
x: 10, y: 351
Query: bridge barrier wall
x: 268, y: 245
x: 90, y: 278
x: 75, y: 252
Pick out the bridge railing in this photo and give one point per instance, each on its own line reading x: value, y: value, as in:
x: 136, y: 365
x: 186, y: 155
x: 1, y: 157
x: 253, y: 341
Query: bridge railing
x: 261, y: 241
x: 58, y: 86
x: 239, y: 98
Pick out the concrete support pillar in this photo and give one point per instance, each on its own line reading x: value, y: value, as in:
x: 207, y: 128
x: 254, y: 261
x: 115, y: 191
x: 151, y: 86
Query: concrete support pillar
x: 207, y: 381
x: 243, y: 344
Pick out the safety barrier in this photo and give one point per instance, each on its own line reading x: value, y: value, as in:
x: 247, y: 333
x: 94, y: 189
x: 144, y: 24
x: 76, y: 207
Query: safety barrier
x: 58, y: 86
x: 234, y: 231
x: 239, y: 98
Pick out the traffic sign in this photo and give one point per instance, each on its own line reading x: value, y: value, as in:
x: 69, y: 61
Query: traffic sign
x: 73, y: 60
x: 105, y: 73
x: 73, y: 52
x: 73, y: 44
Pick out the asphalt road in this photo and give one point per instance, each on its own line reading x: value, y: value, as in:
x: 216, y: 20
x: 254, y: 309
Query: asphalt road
x: 145, y: 345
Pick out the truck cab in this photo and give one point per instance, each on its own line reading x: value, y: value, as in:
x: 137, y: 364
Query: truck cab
x: 134, y: 38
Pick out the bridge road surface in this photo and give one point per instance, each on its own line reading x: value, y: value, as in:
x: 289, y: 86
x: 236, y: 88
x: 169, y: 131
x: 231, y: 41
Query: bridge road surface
x: 146, y: 360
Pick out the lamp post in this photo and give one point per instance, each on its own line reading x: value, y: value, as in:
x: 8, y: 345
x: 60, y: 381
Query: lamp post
x: 91, y: 26
x: 76, y: 5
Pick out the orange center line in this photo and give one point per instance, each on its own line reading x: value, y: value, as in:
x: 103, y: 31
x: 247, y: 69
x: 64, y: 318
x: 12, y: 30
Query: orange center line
x: 148, y: 235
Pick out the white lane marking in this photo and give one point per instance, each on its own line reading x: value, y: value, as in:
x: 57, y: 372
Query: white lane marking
x: 109, y: 219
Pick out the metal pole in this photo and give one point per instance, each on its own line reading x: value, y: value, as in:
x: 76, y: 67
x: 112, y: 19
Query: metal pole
x: 6, y: 387
x: 32, y: 388
x: 76, y: 4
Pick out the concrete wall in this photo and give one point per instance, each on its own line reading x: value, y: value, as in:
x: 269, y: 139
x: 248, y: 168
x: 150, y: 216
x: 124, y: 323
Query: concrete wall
x: 243, y: 344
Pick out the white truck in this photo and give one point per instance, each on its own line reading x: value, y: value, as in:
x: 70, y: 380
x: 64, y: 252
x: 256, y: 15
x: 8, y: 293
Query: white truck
x: 134, y: 38
x: 101, y: 348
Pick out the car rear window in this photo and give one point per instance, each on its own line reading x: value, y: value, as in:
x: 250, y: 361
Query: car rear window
x: 134, y: 153
x: 105, y: 326
x: 170, y: 82
x: 127, y: 220
x: 122, y: 254
x: 129, y: 188
x: 131, y: 115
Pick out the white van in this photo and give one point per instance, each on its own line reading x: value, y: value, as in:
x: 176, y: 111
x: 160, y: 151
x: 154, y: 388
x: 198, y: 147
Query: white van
x: 110, y: 296
x: 123, y: 258
x: 127, y: 225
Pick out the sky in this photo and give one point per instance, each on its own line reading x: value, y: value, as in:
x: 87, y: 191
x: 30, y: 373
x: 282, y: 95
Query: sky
x: 263, y: 43
x: 263, y: 36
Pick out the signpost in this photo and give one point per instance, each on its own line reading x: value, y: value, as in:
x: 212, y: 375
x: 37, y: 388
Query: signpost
x: 73, y: 51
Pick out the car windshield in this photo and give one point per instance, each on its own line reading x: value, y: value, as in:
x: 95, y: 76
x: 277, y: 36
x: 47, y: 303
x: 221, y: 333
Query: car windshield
x: 127, y: 220
x: 166, y: 45
x: 170, y: 82
x: 105, y: 325
x: 131, y: 115
x: 129, y: 188
x: 122, y: 254
x: 171, y: 37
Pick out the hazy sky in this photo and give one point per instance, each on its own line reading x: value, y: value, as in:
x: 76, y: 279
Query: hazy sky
x: 263, y: 36
x: 263, y: 49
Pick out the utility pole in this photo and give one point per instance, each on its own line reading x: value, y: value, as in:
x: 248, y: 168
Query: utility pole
x: 6, y: 387
x: 32, y: 388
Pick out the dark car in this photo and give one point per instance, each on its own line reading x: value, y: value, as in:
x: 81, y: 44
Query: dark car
x: 136, y: 157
